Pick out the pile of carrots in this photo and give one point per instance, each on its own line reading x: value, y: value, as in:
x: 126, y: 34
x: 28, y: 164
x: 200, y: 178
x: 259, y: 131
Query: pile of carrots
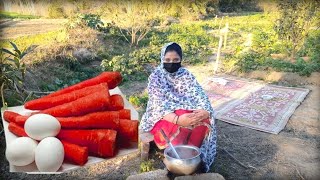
x: 93, y: 122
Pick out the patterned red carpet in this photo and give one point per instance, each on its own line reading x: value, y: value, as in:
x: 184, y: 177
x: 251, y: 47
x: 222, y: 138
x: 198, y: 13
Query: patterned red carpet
x: 253, y: 104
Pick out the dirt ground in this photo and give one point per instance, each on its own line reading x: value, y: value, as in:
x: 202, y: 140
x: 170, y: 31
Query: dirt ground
x: 15, y: 28
x: 292, y: 154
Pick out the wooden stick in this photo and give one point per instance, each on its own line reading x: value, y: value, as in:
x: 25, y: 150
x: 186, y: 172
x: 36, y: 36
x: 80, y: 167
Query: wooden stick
x: 216, y: 66
x: 215, y: 20
x: 39, y: 92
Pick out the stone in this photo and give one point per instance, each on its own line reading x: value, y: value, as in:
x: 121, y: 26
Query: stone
x: 145, y: 138
x: 82, y: 54
x: 159, y: 174
x: 204, y: 176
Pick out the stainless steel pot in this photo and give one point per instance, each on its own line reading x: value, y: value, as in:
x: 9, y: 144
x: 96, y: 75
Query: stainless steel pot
x: 189, y: 162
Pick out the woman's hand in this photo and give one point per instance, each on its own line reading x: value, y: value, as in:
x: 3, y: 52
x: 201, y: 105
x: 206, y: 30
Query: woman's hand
x: 201, y: 114
x: 194, y: 118
x: 186, y: 119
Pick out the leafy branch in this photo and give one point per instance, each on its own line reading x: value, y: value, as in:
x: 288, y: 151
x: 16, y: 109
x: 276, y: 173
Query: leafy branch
x: 12, y: 69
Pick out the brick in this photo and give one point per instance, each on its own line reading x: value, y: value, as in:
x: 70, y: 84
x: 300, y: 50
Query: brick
x: 204, y: 176
x: 144, y: 140
x: 160, y: 174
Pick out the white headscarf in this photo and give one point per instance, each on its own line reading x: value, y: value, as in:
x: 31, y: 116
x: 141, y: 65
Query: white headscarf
x: 179, y: 90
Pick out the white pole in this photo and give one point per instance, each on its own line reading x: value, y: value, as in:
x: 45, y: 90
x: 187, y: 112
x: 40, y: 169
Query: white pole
x: 215, y: 20
x: 216, y: 66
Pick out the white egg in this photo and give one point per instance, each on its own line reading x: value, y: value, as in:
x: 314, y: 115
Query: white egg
x: 21, y: 151
x: 49, y: 154
x: 40, y: 126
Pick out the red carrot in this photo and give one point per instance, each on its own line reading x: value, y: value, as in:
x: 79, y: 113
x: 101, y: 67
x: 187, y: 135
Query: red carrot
x: 92, y: 103
x: 100, y: 142
x: 48, y: 102
x: 74, y: 153
x: 10, y: 116
x: 127, y: 132
x: 17, y: 130
x: 125, y: 114
x: 113, y: 79
x: 20, y: 120
x: 116, y: 102
x: 104, y: 119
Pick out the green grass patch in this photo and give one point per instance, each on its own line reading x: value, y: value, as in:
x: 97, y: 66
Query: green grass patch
x: 146, y: 166
x: 139, y: 100
x: 13, y: 15
x: 37, y: 39
x: 63, y: 77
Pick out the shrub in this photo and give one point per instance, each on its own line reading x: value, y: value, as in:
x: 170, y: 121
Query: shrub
x: 80, y: 20
x: 193, y: 39
x: 130, y: 68
x: 312, y: 46
x: 12, y: 70
x: 56, y: 11
x: 64, y: 76
x: 250, y: 61
x: 238, y: 5
x: 146, y: 166
x: 140, y: 100
x: 265, y: 42
x: 295, y: 22
x: 145, y: 55
x: 132, y: 64
x: 301, y: 67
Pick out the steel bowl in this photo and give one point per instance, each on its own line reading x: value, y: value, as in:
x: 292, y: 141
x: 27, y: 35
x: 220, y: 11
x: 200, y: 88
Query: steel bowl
x: 189, y: 162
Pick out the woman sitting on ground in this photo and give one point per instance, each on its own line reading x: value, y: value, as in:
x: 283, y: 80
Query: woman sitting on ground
x: 178, y: 105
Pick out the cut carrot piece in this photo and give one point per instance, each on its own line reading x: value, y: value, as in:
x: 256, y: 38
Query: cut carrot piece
x: 17, y: 130
x: 100, y: 142
x: 127, y: 132
x: 74, y: 153
x: 10, y: 116
x: 125, y: 114
x: 92, y: 103
x: 113, y: 79
x: 104, y: 119
x: 48, y: 102
x: 100, y: 120
x: 116, y: 102
x: 20, y: 120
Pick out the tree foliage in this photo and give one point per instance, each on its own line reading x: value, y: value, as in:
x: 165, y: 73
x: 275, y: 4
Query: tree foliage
x: 135, y: 18
x: 297, y: 17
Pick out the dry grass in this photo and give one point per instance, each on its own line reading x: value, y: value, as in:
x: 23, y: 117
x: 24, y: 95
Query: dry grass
x: 29, y: 8
x: 40, y: 8
x: 268, y: 6
x: 73, y: 40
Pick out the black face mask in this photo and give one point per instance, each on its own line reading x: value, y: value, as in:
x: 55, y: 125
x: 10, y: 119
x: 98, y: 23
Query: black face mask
x: 172, y: 67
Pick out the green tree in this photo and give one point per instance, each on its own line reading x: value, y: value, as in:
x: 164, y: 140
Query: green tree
x: 135, y: 18
x: 297, y: 17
